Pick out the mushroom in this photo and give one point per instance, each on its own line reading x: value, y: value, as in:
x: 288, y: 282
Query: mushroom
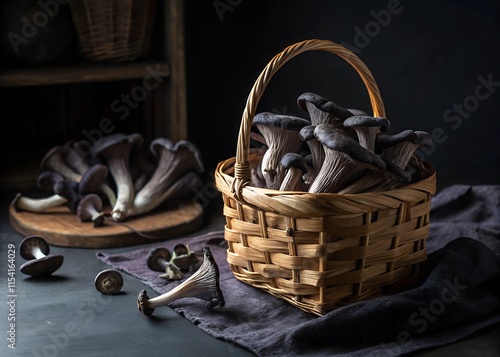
x: 35, y: 249
x: 400, y: 147
x: 22, y: 203
x: 109, y: 282
x: 47, y: 179
x: 54, y: 161
x: 159, y: 260
x: 322, y: 110
x: 73, y: 158
x: 184, y: 186
x: 93, y: 181
x: 317, y: 151
x: 183, y: 258
x: 90, y: 209
x: 203, y: 284
x: 116, y: 150
x: 281, y: 135
x: 68, y: 190
x: 345, y: 159
x: 295, y: 166
x: 174, y: 161
x: 366, y: 128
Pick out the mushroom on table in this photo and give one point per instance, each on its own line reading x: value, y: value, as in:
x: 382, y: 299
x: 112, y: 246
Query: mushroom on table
x: 40, y: 263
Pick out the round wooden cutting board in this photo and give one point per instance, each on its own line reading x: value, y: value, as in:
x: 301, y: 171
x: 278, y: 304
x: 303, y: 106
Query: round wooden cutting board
x: 62, y: 228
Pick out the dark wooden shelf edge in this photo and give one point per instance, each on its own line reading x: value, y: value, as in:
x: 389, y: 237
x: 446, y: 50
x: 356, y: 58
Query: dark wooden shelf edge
x: 82, y: 73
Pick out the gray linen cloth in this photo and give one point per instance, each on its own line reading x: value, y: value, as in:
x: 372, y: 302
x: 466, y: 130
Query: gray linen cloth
x: 460, y: 294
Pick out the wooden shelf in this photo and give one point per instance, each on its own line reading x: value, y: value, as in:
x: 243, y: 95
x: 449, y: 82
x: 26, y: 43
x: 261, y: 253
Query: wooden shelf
x: 81, y: 73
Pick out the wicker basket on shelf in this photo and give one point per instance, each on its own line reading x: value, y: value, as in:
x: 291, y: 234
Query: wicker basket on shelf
x: 113, y: 30
x: 320, y: 251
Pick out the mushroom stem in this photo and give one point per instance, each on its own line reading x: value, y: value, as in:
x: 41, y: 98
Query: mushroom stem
x: 203, y: 284
x: 21, y: 203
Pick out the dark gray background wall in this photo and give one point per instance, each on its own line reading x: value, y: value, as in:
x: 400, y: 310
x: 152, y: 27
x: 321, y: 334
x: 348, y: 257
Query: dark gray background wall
x: 432, y: 61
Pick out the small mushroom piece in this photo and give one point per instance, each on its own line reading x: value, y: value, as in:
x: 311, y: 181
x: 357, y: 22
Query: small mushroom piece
x: 281, y: 133
x: 90, y: 209
x: 40, y: 263
x: 400, y: 147
x: 184, y: 258
x: 109, y: 282
x: 116, y: 150
x: 366, y: 128
x: 203, y: 284
x: 344, y: 161
x: 54, y: 160
x: 295, y: 166
x: 159, y: 260
x: 94, y: 181
x: 174, y: 162
x: 322, y: 110
x: 37, y: 205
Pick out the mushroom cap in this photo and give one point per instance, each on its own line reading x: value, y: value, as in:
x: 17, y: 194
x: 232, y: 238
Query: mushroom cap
x: 112, y: 144
x: 109, y: 282
x: 338, y: 140
x: 142, y: 303
x: 47, y: 179
x: 158, y: 144
x: 384, y: 141
x: 92, y: 179
x: 423, y: 138
x: 68, y: 190
x: 181, y: 249
x: 155, y: 256
x: 90, y: 200
x: 288, y: 122
x: 322, y: 104
x: 355, y: 121
x: 54, y: 153
x: 42, y: 266
x: 307, y: 132
x: 30, y: 242
x: 293, y: 159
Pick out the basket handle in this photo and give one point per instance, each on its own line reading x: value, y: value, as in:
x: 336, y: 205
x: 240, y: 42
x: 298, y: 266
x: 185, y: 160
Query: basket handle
x: 242, y: 173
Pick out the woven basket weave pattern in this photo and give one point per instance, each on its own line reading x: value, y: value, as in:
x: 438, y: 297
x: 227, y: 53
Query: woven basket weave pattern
x: 113, y: 30
x: 320, y: 251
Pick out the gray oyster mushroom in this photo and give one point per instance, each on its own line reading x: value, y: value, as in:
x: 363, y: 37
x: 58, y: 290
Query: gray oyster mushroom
x: 295, y: 167
x: 159, y: 260
x: 366, y: 128
x: 40, y: 263
x: 322, y: 110
x: 203, y: 284
x: 344, y: 161
x: 281, y: 133
x: 116, y: 150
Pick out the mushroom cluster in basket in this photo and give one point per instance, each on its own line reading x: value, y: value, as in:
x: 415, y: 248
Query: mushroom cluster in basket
x: 337, y: 150
x: 114, y: 174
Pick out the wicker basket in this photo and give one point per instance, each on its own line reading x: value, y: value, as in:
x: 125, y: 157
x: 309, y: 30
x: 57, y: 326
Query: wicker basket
x: 113, y: 30
x: 320, y: 251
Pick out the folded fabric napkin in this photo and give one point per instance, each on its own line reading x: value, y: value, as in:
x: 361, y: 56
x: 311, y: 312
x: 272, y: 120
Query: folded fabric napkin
x: 460, y: 295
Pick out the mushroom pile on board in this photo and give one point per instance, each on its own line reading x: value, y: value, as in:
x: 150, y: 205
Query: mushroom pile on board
x: 336, y: 150
x: 115, y: 175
